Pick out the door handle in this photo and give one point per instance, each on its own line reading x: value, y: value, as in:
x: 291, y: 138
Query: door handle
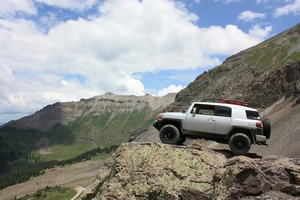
x: 211, y: 119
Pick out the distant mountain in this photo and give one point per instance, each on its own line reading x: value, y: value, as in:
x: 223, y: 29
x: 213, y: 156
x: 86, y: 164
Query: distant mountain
x: 66, y: 129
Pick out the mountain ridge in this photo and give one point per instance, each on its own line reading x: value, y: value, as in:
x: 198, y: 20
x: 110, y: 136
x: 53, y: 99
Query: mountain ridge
x: 65, y: 112
x: 66, y: 129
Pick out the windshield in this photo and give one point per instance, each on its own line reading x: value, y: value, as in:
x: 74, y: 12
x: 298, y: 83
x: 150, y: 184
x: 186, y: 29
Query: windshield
x: 189, y: 108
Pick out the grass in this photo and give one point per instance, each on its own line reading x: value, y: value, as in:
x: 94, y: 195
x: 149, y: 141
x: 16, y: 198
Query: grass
x: 51, y: 193
x: 293, y: 39
x: 294, y: 57
x: 271, y: 56
x: 57, y: 192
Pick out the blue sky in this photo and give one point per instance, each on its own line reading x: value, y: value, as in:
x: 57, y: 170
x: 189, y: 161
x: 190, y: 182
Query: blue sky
x: 54, y: 50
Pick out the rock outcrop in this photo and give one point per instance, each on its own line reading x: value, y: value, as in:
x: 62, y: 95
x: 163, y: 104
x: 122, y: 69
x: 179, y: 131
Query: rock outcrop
x: 159, y: 171
x: 261, y: 75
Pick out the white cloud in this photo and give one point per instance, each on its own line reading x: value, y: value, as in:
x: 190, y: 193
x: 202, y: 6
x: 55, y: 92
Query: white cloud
x: 261, y: 1
x: 50, y: 19
x: 11, y: 7
x: 79, y: 5
x: 227, y: 1
x: 8, y: 117
x: 127, y: 37
x: 6, y: 75
x: 170, y: 89
x: 293, y: 8
x: 259, y: 32
x: 229, y: 40
x: 248, y: 15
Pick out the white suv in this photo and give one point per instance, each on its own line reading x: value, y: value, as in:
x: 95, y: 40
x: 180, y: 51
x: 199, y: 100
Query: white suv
x: 229, y: 122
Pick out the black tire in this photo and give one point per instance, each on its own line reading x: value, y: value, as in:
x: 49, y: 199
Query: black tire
x: 169, y: 134
x: 267, y: 127
x: 181, y: 140
x: 239, y: 144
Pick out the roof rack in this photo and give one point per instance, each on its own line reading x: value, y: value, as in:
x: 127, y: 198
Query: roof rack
x: 241, y: 103
x: 211, y: 100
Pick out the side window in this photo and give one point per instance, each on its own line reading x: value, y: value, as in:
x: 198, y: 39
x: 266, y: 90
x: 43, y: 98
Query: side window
x: 252, y: 115
x: 223, y: 111
x: 205, y: 109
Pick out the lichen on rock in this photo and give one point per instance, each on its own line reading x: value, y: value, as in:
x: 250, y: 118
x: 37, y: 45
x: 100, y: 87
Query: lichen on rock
x: 160, y: 171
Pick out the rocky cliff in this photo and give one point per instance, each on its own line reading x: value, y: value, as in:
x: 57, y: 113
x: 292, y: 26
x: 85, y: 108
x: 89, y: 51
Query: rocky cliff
x: 159, y: 171
x: 261, y: 75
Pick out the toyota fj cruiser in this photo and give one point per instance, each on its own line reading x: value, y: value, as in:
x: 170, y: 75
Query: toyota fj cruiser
x: 228, y: 122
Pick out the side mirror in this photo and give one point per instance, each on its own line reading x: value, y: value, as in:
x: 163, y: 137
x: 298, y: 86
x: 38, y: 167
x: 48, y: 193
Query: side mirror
x: 194, y: 112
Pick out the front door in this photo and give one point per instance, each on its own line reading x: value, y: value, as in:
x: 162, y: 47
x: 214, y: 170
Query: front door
x: 203, y: 120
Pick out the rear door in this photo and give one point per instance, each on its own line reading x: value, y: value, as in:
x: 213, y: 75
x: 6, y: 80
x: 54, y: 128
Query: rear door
x: 223, y: 119
x: 203, y: 120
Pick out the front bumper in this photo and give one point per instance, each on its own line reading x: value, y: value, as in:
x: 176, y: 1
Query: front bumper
x: 156, y: 124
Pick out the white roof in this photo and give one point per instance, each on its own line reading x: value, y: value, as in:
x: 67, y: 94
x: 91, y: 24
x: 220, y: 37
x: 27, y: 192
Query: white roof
x: 233, y: 106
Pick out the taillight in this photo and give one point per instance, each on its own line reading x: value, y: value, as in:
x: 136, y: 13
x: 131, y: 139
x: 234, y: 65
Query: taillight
x: 159, y: 116
x: 259, y: 124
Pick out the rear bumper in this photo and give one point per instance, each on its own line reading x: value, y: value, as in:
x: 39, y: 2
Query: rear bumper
x: 260, y: 138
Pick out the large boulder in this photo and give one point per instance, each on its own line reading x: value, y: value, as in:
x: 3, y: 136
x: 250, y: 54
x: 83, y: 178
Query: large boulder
x: 160, y: 171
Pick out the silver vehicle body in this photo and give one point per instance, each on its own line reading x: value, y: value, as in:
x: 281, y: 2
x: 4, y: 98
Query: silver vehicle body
x: 215, y: 121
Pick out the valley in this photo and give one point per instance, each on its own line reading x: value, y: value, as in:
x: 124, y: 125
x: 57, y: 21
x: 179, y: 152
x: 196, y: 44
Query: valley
x: 76, y: 176
x: 266, y: 75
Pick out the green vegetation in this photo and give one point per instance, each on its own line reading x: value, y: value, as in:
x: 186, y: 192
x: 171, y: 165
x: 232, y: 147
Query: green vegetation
x: 293, y: 39
x: 89, y: 131
x: 11, y: 139
x: 271, y: 56
x: 26, y: 167
x: 295, y: 56
x: 50, y: 193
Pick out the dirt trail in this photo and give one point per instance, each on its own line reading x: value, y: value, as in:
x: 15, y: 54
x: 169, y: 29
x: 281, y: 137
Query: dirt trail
x: 78, y: 189
x: 77, y: 176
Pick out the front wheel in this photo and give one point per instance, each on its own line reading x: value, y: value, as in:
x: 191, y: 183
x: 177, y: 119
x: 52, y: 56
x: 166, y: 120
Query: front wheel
x: 239, y: 144
x: 169, y: 134
x: 181, y: 140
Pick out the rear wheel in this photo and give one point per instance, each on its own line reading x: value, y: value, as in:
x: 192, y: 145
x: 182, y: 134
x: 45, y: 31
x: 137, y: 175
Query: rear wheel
x: 169, y: 134
x: 267, y: 127
x: 239, y: 143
